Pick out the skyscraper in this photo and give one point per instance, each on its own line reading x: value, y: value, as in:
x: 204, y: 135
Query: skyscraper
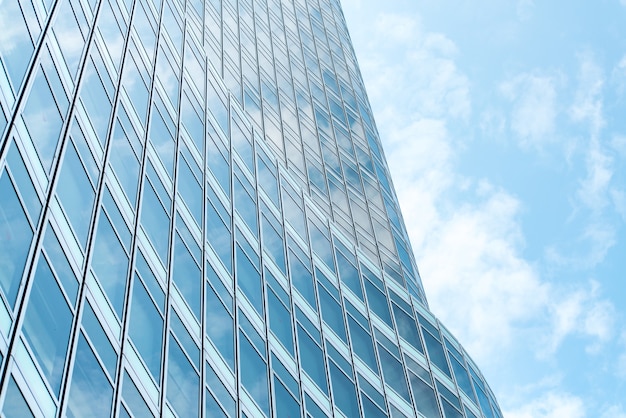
x: 197, y: 219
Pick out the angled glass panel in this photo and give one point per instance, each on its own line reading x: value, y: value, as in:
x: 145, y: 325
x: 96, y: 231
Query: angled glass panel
x: 91, y: 393
x: 43, y: 119
x: 253, y: 373
x: 47, y: 324
x: 146, y: 328
x: 110, y: 263
x: 15, y: 405
x: 76, y: 193
x: 183, y: 383
x: 16, y: 238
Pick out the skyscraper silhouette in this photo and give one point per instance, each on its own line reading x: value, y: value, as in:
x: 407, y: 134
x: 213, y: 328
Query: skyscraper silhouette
x: 197, y: 219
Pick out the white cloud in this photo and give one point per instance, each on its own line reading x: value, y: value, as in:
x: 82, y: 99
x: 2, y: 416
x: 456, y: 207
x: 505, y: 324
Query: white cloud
x: 534, y: 109
x: 583, y: 312
x: 467, y: 233
x: 416, y: 69
x: 551, y: 405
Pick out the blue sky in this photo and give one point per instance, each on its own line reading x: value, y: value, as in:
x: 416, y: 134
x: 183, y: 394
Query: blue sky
x: 504, y: 124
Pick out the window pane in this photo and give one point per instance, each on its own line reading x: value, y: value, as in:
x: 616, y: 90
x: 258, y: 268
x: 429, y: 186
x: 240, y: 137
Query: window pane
x: 155, y: 222
x: 286, y: 405
x: 436, y: 354
x: 110, y: 263
x: 253, y: 373
x: 249, y: 280
x: 393, y: 373
x: 187, y: 276
x: 101, y: 342
x: 16, y: 236
x: 76, y: 194
x: 43, y: 119
x: 47, y: 324
x: 280, y: 321
x: 59, y: 262
x: 362, y: 344
x: 146, y: 329
x: 343, y: 392
x: 424, y: 397
x: 407, y: 328
x: 312, y: 359
x: 15, y: 405
x: 90, y: 392
x: 136, y: 403
x: 331, y: 313
x: 182, y: 382
x: 378, y: 303
x: 219, y: 326
x: 16, y: 46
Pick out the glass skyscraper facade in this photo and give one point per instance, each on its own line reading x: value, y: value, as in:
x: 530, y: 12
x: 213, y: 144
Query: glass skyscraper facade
x: 197, y: 219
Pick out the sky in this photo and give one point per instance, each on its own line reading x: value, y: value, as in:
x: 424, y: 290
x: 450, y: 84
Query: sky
x: 504, y: 126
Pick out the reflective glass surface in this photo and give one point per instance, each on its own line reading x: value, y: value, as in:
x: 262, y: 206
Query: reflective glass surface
x: 197, y: 220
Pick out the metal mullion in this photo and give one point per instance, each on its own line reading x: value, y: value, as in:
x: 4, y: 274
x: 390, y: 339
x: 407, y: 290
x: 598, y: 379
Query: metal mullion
x: 169, y: 267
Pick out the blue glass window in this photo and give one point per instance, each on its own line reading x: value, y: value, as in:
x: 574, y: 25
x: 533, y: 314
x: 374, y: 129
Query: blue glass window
x: 123, y: 158
x: 273, y: 242
x: 286, y: 405
x: 362, y: 344
x: 249, y: 280
x: 15, y: 405
x: 58, y: 260
x: 253, y: 373
x: 349, y: 275
x: 407, y: 328
x: 23, y: 183
x: 462, y: 378
x: 99, y: 339
x: 219, y: 326
x: 110, y: 263
x: 75, y: 193
x: 94, y: 97
x: 378, y: 303
x: 220, y: 392
x: 155, y: 222
x: 218, y: 231
x: 436, y: 354
x: 280, y: 321
x: 424, y: 395
x: 91, y: 393
x: 161, y: 135
x: 312, y: 359
x: 184, y: 338
x: 146, y: 329
x: 343, y: 392
x: 43, y: 119
x: 47, y: 324
x: 332, y: 313
x: 370, y: 410
x: 16, y: 49
x: 187, y: 276
x: 393, y: 372
x: 16, y: 237
x: 190, y: 190
x: 302, y: 279
x: 183, y: 383
x: 136, y: 403
x: 245, y: 205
